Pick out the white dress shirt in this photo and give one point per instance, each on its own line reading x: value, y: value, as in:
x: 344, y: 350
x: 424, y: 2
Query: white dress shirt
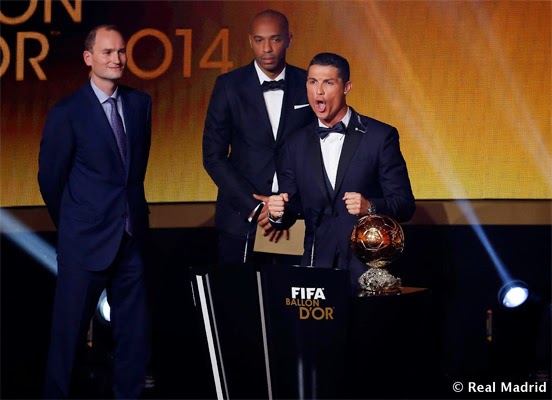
x: 102, y: 97
x: 331, y: 147
x: 273, y: 100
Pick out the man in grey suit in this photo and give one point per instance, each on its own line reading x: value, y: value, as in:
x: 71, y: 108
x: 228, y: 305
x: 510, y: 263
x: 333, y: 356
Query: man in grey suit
x: 251, y: 111
x: 92, y: 165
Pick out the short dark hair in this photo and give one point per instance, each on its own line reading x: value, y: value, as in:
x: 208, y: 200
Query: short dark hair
x: 333, y: 60
x: 91, y: 38
x: 272, y: 13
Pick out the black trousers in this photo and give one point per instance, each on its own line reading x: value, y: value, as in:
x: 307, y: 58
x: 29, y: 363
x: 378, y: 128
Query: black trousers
x: 76, y: 297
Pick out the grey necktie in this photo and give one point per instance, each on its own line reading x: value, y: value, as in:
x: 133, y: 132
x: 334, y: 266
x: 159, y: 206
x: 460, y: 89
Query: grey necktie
x: 118, y: 129
x: 120, y: 137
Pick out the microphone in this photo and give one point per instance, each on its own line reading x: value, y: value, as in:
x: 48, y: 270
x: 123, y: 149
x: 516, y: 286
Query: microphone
x: 335, y: 262
x: 252, y: 221
x: 317, y: 224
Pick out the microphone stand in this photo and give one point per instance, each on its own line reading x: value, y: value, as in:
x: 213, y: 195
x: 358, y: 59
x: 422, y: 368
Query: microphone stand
x: 316, y: 226
x: 252, y: 221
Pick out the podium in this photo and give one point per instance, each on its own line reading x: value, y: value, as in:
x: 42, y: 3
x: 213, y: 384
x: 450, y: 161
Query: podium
x: 307, y: 311
x: 273, y: 331
x: 285, y: 332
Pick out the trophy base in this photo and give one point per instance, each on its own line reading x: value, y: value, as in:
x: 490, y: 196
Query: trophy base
x: 377, y: 282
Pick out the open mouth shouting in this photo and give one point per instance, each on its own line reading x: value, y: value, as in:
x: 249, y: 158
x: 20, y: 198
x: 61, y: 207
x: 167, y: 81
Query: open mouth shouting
x: 320, y: 105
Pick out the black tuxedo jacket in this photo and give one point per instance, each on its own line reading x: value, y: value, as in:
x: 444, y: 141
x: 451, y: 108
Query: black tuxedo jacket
x: 371, y: 164
x: 239, y: 150
x: 83, y: 180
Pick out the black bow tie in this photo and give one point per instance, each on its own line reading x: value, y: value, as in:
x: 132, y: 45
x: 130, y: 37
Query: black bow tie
x: 272, y: 85
x: 339, y: 128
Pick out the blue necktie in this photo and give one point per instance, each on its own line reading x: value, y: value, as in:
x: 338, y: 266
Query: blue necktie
x: 339, y: 128
x: 118, y: 129
x: 120, y: 137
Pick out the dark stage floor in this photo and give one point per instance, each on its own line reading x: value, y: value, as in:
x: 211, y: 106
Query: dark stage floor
x: 457, y: 270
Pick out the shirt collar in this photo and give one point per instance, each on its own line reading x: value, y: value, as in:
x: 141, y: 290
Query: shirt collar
x: 345, y: 119
x: 263, y: 77
x: 102, y: 96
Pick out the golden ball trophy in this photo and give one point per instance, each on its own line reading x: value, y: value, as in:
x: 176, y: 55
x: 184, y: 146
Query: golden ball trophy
x: 377, y: 240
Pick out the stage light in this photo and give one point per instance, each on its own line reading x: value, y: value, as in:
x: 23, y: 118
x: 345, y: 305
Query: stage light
x: 43, y: 252
x: 28, y: 241
x: 513, y: 294
x: 103, y: 309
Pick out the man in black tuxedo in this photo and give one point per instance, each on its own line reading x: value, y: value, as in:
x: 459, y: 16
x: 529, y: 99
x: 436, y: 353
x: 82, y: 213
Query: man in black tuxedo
x: 246, y: 123
x: 339, y: 168
x: 92, y: 165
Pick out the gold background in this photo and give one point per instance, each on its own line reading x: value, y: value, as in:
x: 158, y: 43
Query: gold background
x: 467, y: 84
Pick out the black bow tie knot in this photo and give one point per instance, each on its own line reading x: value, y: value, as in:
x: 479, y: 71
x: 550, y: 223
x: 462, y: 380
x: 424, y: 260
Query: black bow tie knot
x: 272, y: 85
x: 339, y: 128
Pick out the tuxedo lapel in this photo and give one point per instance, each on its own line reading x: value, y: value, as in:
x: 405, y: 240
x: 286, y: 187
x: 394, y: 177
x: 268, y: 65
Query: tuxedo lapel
x: 253, y: 91
x: 287, y: 103
x: 291, y: 83
x: 350, y: 146
x: 315, y: 156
